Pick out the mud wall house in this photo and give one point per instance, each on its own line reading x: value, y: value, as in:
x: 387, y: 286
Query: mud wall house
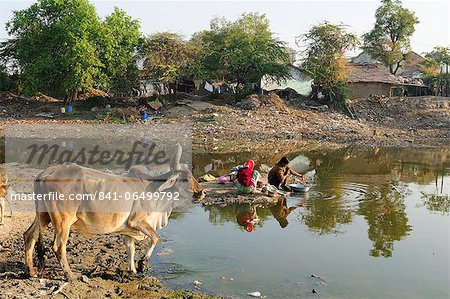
x: 366, y: 79
x: 409, y: 67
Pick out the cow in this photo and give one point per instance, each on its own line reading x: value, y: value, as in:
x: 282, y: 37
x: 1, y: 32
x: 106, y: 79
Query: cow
x: 5, y: 196
x: 134, y: 219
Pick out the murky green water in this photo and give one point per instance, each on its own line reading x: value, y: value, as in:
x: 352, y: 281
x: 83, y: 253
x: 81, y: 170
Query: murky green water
x: 376, y: 225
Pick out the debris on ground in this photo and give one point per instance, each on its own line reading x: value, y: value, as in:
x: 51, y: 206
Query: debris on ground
x: 207, y: 178
x: 217, y: 121
x: 220, y: 194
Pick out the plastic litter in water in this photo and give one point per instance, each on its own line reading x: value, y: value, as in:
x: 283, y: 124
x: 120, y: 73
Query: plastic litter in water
x: 165, y: 251
x: 254, y: 294
x: 197, y: 283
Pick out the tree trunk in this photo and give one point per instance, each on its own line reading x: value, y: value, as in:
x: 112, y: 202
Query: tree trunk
x: 69, y: 98
x: 396, y: 68
x: 175, y: 91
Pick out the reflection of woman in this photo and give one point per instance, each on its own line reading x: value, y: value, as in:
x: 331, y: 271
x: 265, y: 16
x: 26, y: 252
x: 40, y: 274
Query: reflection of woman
x: 246, y: 218
x: 280, y: 212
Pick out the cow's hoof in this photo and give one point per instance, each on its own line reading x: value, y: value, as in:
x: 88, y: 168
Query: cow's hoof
x: 70, y: 277
x: 32, y: 273
x: 142, y: 265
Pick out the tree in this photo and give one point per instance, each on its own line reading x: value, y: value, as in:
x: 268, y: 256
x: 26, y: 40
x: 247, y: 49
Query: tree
x: 55, y: 45
x: 432, y: 66
x: 63, y: 48
x: 324, y: 59
x: 119, y: 41
x: 167, y: 57
x: 9, y: 70
x: 241, y: 52
x: 389, y: 40
x: 8, y: 82
x: 440, y: 55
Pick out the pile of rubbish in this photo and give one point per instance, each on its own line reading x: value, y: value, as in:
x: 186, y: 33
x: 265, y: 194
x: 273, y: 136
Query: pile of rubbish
x: 254, y: 102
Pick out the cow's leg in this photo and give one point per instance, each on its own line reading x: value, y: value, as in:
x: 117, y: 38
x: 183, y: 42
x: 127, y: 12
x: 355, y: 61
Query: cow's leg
x: 30, y: 237
x: 131, y: 249
x: 9, y: 206
x: 2, y: 210
x: 44, y: 220
x: 62, y: 229
x: 147, y: 230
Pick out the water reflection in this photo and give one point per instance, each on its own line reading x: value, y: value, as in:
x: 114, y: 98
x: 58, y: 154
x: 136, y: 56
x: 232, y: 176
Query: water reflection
x: 239, y: 214
x: 281, y: 211
x: 386, y: 218
x: 436, y: 203
x: 322, y: 214
x: 353, y: 181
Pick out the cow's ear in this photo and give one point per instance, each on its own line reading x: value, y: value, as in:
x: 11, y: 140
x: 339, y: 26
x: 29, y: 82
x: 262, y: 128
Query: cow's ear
x: 169, y: 183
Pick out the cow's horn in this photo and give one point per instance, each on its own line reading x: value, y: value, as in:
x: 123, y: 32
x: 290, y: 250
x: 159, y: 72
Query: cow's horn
x: 175, y: 163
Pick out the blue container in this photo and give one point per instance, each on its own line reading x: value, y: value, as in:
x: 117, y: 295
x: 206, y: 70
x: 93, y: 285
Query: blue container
x: 69, y: 109
x: 144, y: 116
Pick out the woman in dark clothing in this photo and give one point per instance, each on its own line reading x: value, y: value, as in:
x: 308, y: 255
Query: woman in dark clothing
x: 279, y: 173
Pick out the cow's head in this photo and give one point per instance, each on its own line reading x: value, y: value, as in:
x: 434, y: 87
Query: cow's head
x: 178, y: 178
x: 181, y: 172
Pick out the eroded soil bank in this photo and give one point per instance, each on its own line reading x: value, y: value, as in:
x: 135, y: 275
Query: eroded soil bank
x: 224, y: 125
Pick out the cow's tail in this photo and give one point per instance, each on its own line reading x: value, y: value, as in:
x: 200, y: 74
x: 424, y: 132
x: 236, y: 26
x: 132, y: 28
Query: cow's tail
x: 39, y: 214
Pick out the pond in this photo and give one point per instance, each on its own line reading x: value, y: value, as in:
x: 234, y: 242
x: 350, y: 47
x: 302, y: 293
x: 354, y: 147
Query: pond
x: 375, y: 225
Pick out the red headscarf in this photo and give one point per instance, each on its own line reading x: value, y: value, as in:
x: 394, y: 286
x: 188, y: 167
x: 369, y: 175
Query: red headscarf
x: 244, y: 176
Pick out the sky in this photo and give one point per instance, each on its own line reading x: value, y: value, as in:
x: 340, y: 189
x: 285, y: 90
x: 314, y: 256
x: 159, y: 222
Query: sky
x: 288, y: 19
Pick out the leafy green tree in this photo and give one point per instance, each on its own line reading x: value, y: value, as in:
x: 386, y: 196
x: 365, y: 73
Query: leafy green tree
x: 9, y: 71
x: 432, y: 65
x: 55, y: 45
x: 167, y: 57
x: 241, y: 52
x: 63, y: 48
x: 440, y: 55
x: 8, y: 82
x: 119, y: 41
x: 324, y: 59
x: 389, y: 40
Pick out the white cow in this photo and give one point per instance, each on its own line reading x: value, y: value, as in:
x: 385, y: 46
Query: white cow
x: 135, y: 219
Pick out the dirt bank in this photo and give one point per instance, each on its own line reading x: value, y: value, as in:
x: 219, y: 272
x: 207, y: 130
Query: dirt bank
x: 420, y: 121
x: 221, y: 123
